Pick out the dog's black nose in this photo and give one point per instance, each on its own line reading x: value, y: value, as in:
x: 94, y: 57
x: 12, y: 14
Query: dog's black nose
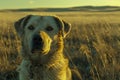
x: 37, y: 43
x: 37, y: 39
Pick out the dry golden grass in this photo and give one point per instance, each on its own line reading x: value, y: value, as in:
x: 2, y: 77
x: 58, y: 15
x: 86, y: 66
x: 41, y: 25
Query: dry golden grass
x: 93, y: 46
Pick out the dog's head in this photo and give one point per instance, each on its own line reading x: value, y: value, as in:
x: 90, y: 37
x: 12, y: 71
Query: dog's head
x: 39, y: 32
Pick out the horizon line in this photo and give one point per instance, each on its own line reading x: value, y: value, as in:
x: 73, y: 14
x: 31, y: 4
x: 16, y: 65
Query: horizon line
x: 62, y: 7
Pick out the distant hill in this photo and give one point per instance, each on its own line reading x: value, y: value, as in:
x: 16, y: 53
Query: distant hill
x: 80, y: 8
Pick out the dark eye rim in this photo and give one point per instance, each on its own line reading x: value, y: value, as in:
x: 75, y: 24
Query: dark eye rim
x: 49, y: 28
x: 31, y: 27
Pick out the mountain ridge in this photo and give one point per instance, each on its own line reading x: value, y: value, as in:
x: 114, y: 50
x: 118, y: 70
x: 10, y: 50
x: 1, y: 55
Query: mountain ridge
x: 77, y: 8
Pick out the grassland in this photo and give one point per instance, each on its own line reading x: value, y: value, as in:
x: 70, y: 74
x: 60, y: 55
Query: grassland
x: 93, y: 46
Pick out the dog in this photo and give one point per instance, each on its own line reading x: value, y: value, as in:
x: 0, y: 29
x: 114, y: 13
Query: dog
x: 42, y: 40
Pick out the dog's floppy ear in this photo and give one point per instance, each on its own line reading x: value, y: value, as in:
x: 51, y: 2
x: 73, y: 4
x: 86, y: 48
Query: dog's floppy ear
x: 67, y: 28
x: 63, y: 26
x: 20, y: 24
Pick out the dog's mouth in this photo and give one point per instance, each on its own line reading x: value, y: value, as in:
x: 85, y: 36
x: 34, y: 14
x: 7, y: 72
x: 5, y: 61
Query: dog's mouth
x: 37, y: 44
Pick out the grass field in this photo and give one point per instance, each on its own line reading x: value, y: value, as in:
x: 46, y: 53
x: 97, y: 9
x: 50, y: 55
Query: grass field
x: 93, y: 46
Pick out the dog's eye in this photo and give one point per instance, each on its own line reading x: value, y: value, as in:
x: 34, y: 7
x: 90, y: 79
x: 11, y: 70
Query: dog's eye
x: 31, y: 27
x: 49, y: 28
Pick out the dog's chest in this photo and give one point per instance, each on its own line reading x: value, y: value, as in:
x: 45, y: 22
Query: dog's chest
x: 44, y: 73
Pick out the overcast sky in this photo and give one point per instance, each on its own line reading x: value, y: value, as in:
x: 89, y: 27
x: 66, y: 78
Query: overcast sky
x: 11, y: 4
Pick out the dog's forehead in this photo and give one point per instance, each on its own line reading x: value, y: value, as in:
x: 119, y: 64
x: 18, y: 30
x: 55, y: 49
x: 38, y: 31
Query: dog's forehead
x: 38, y: 19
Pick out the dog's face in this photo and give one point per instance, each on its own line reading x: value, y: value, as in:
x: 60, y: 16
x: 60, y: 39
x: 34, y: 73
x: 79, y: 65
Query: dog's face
x: 38, y: 33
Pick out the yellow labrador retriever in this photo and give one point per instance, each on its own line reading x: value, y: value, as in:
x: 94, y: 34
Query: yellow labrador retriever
x: 42, y: 48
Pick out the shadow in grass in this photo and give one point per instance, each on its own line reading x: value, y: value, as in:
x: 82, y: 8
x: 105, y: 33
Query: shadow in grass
x: 10, y: 75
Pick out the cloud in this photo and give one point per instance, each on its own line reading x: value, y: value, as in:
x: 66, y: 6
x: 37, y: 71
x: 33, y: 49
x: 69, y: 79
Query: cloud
x: 31, y: 2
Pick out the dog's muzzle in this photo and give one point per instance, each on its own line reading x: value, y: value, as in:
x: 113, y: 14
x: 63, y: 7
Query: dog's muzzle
x: 37, y: 44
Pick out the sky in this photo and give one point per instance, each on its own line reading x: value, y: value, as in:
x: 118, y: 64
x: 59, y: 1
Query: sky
x: 17, y: 4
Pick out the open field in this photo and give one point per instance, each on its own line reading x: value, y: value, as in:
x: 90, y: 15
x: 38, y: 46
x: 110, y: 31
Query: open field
x: 93, y: 46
